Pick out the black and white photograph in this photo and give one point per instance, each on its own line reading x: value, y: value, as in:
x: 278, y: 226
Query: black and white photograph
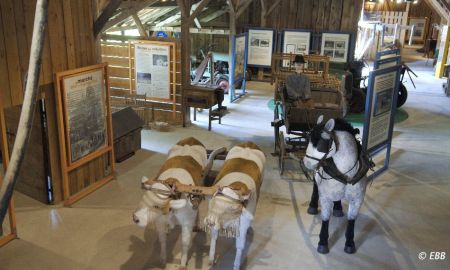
x: 383, y: 102
x: 144, y: 77
x: 329, y: 53
x: 264, y: 43
x: 254, y: 42
x: 329, y: 44
x: 336, y: 46
x: 340, y: 45
x: 160, y: 60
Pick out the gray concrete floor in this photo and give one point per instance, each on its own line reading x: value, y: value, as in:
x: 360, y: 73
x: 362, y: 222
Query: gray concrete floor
x: 405, y: 210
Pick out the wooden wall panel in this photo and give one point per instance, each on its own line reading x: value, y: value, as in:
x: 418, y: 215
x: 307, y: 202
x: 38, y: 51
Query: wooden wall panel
x: 69, y: 44
x: 317, y: 15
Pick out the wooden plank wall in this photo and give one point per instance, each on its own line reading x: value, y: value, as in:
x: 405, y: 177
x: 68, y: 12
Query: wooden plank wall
x: 69, y: 43
x: 202, y: 41
x: 117, y: 56
x: 317, y: 15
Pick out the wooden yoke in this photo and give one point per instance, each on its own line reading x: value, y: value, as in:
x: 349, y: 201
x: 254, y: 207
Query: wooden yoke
x: 178, y: 187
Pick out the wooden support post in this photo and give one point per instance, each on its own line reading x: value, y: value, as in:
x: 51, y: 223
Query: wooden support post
x: 404, y: 22
x: 232, y: 14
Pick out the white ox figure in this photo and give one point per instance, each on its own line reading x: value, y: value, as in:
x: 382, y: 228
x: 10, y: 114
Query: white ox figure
x: 186, y: 163
x: 232, y: 208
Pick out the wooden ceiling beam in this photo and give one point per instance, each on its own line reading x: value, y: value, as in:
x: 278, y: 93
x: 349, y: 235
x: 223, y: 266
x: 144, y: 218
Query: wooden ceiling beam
x: 107, y: 13
x: 198, y: 10
x: 243, y: 6
x: 127, y: 13
x: 139, y: 25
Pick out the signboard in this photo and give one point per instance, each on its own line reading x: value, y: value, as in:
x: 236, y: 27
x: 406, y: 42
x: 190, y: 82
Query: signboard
x: 152, y: 72
x: 380, y: 111
x: 238, y: 65
x: 419, y: 28
x: 296, y: 42
x: 85, y: 113
x: 84, y: 130
x: 387, y: 62
x: 387, y: 54
x: 260, y: 47
x: 336, y: 46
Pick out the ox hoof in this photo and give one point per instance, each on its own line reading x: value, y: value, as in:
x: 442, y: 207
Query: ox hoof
x: 313, y: 210
x: 182, y: 268
x: 323, y: 249
x: 338, y: 213
x: 350, y: 249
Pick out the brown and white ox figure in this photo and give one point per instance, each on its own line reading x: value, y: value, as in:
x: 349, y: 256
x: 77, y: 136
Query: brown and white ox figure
x: 160, y: 205
x: 232, y: 208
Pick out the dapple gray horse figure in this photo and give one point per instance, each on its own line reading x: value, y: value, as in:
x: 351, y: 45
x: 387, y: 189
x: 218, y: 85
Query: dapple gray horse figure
x: 335, y: 142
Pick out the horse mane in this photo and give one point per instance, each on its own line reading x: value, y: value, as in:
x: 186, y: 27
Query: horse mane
x: 339, y: 125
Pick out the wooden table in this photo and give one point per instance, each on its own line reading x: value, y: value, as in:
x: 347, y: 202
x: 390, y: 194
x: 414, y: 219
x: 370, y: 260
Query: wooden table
x: 202, y: 97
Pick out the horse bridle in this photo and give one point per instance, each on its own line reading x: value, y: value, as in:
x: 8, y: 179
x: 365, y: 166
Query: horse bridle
x: 321, y: 148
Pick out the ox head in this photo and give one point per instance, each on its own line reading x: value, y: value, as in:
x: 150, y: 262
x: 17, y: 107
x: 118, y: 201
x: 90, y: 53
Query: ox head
x: 156, y: 204
x: 226, y: 207
x: 321, y: 144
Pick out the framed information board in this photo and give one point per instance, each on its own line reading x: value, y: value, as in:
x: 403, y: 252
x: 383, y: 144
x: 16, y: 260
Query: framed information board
x: 296, y: 42
x: 381, y: 106
x: 84, y: 127
x: 238, y: 65
x: 8, y: 230
x: 336, y: 46
x: 260, y: 47
x: 153, y: 70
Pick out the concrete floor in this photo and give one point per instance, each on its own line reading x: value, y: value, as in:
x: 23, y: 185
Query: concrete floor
x: 405, y: 210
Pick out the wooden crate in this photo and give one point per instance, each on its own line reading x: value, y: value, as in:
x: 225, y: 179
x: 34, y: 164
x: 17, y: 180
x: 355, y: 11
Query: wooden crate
x: 127, y: 128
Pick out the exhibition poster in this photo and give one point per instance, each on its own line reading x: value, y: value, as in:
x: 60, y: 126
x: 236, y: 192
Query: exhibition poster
x: 152, y: 70
x: 85, y: 115
x: 260, y: 47
x: 239, y: 58
x: 296, y: 42
x: 380, y: 107
x: 336, y: 46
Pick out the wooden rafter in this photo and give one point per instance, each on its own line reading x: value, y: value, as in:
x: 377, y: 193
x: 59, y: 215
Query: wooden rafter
x: 127, y: 13
x: 272, y: 7
x: 198, y: 10
x: 139, y: 25
x: 242, y: 7
x: 107, y: 13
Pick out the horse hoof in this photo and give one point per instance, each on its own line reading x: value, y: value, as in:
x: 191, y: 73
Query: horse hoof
x: 183, y: 268
x: 313, y: 211
x: 323, y: 249
x: 350, y: 249
x: 338, y: 213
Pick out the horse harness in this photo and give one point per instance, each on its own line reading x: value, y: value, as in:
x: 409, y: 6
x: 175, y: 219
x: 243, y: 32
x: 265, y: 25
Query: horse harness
x: 327, y: 163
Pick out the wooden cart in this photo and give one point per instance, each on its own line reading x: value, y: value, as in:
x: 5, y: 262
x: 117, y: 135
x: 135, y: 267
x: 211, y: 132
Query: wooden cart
x: 327, y: 99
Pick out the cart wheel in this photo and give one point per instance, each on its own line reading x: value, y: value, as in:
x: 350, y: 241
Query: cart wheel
x: 282, y: 146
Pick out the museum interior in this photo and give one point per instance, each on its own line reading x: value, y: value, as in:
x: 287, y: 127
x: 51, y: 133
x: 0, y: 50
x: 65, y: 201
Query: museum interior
x: 224, y: 134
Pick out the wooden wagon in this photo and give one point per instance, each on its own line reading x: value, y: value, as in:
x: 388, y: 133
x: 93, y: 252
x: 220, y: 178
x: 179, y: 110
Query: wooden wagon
x: 327, y: 100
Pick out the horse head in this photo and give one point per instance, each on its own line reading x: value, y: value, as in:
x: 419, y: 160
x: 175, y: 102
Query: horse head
x: 321, y: 143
